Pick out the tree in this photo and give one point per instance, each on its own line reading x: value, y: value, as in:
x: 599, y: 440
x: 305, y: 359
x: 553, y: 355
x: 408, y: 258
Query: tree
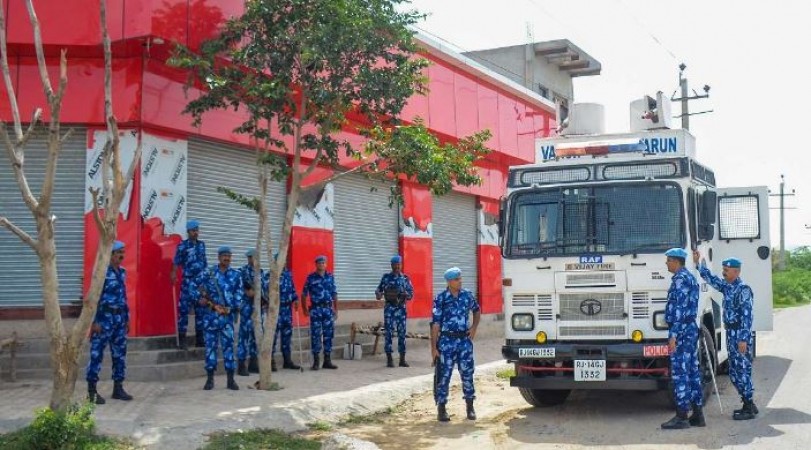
x: 305, y: 70
x: 66, y: 347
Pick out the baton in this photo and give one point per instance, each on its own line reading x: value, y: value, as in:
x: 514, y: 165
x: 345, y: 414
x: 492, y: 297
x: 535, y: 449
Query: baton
x: 712, y: 373
x: 175, y: 305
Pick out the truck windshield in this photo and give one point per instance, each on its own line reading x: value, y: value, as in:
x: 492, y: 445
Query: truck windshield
x: 613, y: 219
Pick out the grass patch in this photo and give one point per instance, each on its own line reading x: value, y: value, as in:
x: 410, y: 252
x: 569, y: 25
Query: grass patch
x: 319, y: 425
x: 259, y: 439
x: 73, y: 429
x: 506, y: 374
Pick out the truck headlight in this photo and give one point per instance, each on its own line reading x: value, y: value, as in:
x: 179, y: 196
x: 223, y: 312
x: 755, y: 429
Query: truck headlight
x: 523, y: 322
x: 659, y: 321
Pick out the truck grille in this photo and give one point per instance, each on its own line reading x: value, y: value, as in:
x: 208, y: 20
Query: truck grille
x: 592, y: 279
x: 543, y: 303
x: 608, y: 331
x: 640, y: 306
x: 605, y: 306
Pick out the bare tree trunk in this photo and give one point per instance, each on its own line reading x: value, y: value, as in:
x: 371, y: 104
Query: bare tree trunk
x: 265, y: 349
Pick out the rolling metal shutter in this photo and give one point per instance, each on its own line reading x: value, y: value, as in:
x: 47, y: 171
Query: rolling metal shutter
x: 223, y: 221
x: 455, y: 239
x: 20, y: 283
x: 366, y: 236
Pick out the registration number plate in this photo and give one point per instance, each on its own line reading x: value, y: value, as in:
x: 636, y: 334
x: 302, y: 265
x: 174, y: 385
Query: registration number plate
x: 589, y: 370
x: 655, y: 351
x: 536, y: 352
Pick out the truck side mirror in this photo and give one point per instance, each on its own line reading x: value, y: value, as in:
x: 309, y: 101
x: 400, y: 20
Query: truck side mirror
x: 707, y: 211
x: 502, y: 205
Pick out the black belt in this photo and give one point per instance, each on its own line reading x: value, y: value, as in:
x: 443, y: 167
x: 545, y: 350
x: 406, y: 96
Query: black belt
x: 113, y: 309
x: 456, y: 334
x: 732, y: 326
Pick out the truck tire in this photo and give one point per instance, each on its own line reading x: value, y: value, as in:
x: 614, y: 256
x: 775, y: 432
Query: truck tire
x: 544, y: 397
x: 707, y: 368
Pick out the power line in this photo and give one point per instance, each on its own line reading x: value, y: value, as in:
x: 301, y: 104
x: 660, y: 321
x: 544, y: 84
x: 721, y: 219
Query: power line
x: 647, y: 30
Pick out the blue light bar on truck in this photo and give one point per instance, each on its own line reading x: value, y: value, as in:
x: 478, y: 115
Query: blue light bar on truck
x: 599, y: 148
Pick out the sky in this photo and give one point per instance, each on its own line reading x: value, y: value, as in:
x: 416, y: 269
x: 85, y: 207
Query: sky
x: 753, y: 55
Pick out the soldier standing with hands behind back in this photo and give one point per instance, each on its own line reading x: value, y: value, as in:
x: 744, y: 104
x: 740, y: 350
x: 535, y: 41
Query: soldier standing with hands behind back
x: 738, y: 300
x: 191, y: 257
x: 320, y: 287
x: 680, y: 314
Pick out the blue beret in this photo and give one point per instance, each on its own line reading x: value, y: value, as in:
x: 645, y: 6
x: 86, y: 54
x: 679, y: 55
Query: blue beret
x: 397, y: 259
x: 192, y: 225
x: 118, y: 245
x: 224, y: 249
x: 250, y: 252
x: 677, y: 253
x: 453, y: 273
x: 734, y: 263
x: 321, y: 258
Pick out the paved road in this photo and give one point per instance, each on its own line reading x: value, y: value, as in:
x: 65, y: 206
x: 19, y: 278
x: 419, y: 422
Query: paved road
x: 623, y: 419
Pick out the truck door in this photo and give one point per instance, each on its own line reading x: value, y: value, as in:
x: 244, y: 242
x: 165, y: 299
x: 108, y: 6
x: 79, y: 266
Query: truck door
x: 743, y: 233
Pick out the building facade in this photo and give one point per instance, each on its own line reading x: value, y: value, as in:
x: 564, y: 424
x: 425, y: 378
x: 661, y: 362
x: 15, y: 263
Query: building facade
x: 182, y: 166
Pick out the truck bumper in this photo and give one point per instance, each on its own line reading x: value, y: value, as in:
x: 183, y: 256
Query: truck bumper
x: 630, y: 366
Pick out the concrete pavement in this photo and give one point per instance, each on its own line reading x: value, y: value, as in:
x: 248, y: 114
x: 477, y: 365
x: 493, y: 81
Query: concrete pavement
x: 178, y: 414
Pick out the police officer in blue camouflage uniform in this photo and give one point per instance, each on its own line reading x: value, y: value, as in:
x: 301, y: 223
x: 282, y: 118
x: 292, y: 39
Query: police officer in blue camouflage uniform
x: 323, y: 311
x: 680, y: 314
x: 395, y: 287
x: 284, y: 324
x: 452, y: 341
x: 220, y: 294
x: 191, y: 257
x: 738, y: 301
x: 246, y: 344
x: 110, y: 325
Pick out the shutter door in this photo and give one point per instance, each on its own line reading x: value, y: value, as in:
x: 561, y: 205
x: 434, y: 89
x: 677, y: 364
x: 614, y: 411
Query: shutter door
x: 20, y: 283
x: 223, y: 221
x: 366, y: 236
x: 455, y: 239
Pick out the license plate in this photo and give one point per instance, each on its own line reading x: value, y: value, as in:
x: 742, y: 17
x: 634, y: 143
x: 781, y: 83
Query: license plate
x: 589, y: 370
x: 536, y: 352
x: 655, y: 351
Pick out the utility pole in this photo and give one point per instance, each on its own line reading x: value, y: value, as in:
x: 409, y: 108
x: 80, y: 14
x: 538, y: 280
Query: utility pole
x: 781, y: 265
x: 686, y: 97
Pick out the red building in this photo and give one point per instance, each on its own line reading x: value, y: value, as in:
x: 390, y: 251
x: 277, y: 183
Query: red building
x: 182, y: 166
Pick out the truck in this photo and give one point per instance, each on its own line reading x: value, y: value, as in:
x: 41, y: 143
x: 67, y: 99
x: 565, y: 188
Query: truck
x: 583, y: 233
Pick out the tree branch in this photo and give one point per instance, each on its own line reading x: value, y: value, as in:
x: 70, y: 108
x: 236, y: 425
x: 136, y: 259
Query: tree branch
x: 94, y: 192
x: 17, y: 162
x: 323, y: 183
x: 25, y: 237
x: 43, y: 68
x: 12, y: 96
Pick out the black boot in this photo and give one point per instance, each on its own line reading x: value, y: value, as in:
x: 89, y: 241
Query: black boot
x: 289, y: 364
x: 403, y: 362
x: 678, y: 422
x: 181, y: 339
x: 747, y: 412
x: 471, y: 413
x: 743, y: 400
x: 199, y: 340
x: 231, y: 383
x: 328, y: 362
x: 316, y: 363
x: 697, y: 418
x: 389, y: 360
x: 119, y: 393
x: 209, y: 381
x: 273, y: 367
x: 241, y: 369
x: 93, y: 395
x: 253, y: 365
x: 442, y: 413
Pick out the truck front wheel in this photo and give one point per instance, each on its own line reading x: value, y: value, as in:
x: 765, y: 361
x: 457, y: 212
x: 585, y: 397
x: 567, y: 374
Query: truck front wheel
x: 544, y: 397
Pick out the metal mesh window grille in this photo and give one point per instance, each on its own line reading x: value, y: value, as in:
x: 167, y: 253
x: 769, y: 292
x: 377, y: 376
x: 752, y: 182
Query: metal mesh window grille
x: 640, y: 171
x: 739, y: 217
x: 575, y: 307
x: 596, y: 331
x: 555, y: 176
